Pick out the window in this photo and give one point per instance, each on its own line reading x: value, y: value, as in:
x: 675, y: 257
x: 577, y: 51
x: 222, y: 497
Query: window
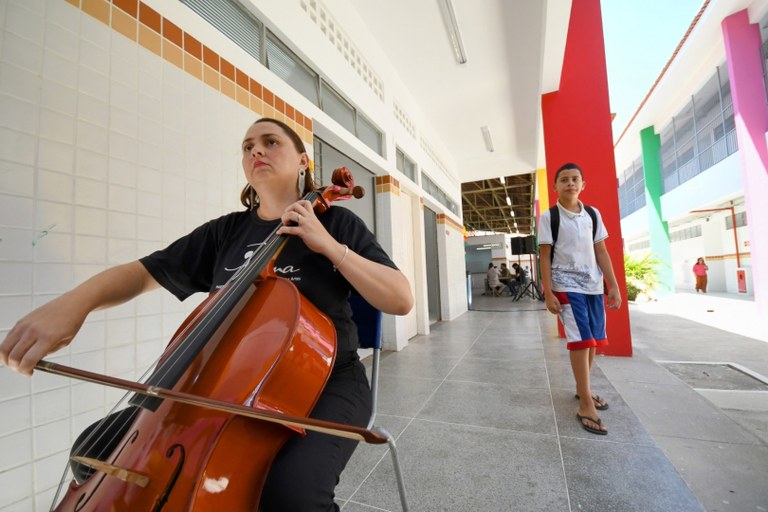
x: 701, y: 134
x: 336, y: 107
x: 244, y: 29
x: 232, y: 20
x: 632, y: 188
x: 405, y: 165
x: 429, y: 186
x: 285, y: 64
x: 741, y: 220
x: 369, y: 134
x: 685, y: 234
x: 638, y: 246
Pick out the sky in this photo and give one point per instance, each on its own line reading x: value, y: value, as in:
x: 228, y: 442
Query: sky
x: 640, y: 36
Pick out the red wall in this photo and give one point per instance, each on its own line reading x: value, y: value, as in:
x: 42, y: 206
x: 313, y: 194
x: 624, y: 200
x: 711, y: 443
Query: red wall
x: 577, y: 128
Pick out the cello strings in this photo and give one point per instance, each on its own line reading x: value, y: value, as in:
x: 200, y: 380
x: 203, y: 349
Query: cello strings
x: 234, y: 287
x: 220, y: 300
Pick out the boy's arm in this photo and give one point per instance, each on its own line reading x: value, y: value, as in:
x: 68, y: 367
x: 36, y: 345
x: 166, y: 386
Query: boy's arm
x: 545, y: 262
x: 604, y: 262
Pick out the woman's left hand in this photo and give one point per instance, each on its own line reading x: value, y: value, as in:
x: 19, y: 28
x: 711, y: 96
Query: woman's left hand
x: 299, y: 219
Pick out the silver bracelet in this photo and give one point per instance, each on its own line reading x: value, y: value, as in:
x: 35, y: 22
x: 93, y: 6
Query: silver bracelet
x: 346, y: 250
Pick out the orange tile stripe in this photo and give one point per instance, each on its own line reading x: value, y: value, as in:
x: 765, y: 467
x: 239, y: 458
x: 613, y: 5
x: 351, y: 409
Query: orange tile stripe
x: 732, y: 256
x: 145, y: 26
x: 387, y: 185
x: 442, y: 218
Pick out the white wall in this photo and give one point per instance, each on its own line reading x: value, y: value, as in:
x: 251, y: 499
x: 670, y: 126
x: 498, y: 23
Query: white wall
x: 716, y: 246
x: 108, y: 152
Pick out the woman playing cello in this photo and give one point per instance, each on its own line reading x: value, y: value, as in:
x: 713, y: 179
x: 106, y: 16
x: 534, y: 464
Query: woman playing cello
x: 325, y: 258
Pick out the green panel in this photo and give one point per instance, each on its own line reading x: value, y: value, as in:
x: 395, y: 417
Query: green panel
x: 657, y: 228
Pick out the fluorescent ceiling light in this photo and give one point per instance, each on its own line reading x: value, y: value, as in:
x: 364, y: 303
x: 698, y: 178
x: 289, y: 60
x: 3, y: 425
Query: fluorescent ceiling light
x: 512, y: 212
x: 488, y: 142
x: 449, y: 17
x: 509, y: 203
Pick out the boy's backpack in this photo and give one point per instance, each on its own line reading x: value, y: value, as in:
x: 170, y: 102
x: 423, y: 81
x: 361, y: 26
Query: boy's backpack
x: 554, y: 221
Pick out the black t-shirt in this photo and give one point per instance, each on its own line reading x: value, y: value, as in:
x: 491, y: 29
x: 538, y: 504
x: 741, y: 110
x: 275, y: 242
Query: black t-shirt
x: 206, y: 259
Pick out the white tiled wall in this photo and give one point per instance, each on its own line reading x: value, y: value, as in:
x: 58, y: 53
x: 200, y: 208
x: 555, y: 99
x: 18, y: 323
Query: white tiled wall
x: 107, y: 153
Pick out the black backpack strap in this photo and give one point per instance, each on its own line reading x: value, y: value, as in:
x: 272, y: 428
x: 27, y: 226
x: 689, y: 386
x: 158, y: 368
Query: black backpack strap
x: 554, y: 222
x: 593, y: 216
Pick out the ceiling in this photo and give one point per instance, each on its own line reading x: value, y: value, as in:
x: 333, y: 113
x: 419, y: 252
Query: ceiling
x: 514, y: 54
x: 485, y: 206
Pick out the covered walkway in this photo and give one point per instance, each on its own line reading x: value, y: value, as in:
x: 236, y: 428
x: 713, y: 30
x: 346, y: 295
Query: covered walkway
x: 484, y: 412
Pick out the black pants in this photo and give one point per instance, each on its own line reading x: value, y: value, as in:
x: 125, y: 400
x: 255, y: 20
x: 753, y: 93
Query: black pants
x: 307, y: 469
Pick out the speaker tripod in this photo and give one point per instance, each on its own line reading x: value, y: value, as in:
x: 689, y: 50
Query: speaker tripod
x: 531, y: 289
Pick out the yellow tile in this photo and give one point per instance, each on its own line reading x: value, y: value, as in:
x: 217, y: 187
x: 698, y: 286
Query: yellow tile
x: 256, y: 104
x: 99, y: 9
x: 243, y: 96
x: 228, y: 87
x: 173, y: 54
x: 124, y: 23
x: 193, y: 66
x: 211, y: 77
x: 76, y: 3
x: 150, y: 40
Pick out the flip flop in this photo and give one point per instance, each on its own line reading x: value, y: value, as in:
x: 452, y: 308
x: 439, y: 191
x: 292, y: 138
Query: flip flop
x: 590, y: 429
x: 597, y: 399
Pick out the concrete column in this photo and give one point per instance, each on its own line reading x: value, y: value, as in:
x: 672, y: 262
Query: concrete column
x: 658, y: 230
x: 577, y: 128
x: 388, y: 202
x: 743, y: 55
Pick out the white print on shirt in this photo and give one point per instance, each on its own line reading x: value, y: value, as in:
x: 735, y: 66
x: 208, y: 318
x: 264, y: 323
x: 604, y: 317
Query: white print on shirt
x: 246, y: 257
x: 570, y: 278
x: 284, y: 271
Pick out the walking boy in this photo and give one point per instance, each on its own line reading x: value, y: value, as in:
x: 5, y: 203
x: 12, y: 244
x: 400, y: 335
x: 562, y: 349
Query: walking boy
x: 572, y: 270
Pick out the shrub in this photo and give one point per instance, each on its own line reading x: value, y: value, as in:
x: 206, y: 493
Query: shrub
x: 641, y: 275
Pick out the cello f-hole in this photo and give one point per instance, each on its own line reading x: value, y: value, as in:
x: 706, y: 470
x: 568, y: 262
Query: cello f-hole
x: 160, y: 503
x: 83, y: 500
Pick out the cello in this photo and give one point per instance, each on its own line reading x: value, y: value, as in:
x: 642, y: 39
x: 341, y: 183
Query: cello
x: 238, y: 379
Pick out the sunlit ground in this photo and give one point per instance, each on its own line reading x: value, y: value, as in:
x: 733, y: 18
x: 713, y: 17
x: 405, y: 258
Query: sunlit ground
x: 729, y: 312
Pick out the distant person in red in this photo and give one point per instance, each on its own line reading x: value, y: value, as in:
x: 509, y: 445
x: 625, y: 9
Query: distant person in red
x: 700, y: 271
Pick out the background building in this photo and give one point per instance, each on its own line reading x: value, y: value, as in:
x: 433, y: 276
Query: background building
x: 692, y: 162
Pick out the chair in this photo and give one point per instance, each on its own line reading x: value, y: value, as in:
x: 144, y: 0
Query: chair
x: 368, y: 321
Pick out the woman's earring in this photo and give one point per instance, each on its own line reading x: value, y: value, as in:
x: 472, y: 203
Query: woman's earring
x: 301, y: 182
x: 253, y: 196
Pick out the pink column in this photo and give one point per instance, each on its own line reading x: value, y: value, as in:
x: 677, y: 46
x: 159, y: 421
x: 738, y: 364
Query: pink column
x: 742, y: 48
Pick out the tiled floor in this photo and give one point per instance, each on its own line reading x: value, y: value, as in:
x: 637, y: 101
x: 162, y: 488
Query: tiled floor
x: 483, y: 410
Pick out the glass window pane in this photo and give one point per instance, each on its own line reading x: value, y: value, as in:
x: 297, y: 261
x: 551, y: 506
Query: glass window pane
x: 410, y: 169
x: 725, y: 86
x: 333, y: 105
x: 369, y: 134
x: 684, y: 125
x: 282, y: 62
x: 707, y: 103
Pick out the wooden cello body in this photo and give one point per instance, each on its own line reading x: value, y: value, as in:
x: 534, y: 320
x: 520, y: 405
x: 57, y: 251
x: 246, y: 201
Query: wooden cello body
x: 269, y: 350
x: 276, y: 355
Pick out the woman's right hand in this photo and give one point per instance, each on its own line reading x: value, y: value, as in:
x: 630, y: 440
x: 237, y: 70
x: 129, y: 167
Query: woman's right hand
x: 47, y: 329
